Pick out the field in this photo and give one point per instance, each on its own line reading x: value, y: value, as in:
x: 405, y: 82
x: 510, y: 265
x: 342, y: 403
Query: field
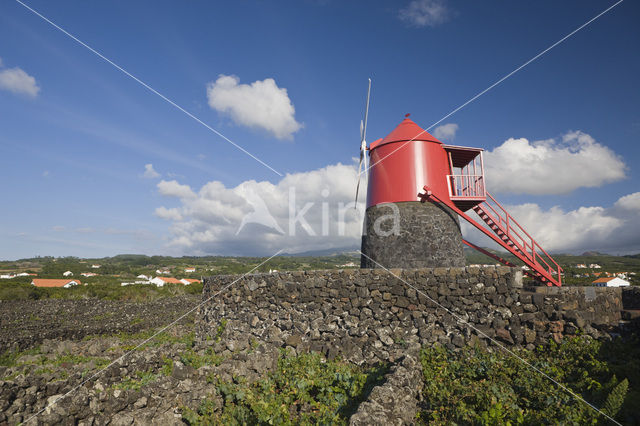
x: 53, y: 341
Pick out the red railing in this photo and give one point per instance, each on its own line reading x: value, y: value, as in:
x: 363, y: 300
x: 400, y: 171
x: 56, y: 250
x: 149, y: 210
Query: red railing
x: 466, y: 186
x: 526, y: 244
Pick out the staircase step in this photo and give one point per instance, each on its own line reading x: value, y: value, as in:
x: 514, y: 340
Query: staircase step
x: 498, y: 225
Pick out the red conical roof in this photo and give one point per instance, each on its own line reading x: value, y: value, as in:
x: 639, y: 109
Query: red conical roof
x: 408, y: 130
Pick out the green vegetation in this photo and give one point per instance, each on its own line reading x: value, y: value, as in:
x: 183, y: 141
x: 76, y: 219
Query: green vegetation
x: 476, y: 386
x: 304, y: 389
x: 196, y: 360
x: 136, y: 382
x: 10, y: 357
x: 125, y: 268
x: 48, y: 364
x: 130, y: 265
x: 568, y: 263
x: 102, y: 290
x: 132, y: 340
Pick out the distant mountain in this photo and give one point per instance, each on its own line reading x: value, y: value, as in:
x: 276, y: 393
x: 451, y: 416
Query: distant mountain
x: 633, y: 256
x: 594, y: 253
x: 342, y: 251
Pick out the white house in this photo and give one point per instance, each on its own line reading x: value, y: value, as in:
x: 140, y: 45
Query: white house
x: 7, y: 276
x: 144, y: 277
x: 67, y: 274
x: 158, y: 281
x: 595, y: 266
x: 88, y: 274
x: 95, y: 266
x: 611, y: 282
x: 163, y: 271
x: 189, y: 269
x: 581, y: 265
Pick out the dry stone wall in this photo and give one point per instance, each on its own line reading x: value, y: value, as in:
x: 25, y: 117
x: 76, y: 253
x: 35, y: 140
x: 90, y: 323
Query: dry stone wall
x: 368, y: 316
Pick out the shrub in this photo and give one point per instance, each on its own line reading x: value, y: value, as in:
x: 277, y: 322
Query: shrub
x: 475, y: 386
x: 304, y: 389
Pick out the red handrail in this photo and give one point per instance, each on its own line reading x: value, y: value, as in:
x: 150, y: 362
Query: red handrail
x: 509, y: 221
x: 471, y: 186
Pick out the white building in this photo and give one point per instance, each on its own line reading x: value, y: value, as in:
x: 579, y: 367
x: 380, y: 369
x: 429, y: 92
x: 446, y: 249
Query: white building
x: 611, y: 282
x: 189, y: 270
x: 95, y: 266
x: 67, y: 274
x: 158, y: 281
x: 595, y: 266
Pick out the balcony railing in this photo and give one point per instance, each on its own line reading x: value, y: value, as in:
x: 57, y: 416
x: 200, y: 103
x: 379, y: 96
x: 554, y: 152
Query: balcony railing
x: 466, y: 186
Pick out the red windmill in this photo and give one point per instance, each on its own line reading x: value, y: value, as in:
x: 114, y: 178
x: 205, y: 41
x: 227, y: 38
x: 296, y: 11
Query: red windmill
x: 412, y: 171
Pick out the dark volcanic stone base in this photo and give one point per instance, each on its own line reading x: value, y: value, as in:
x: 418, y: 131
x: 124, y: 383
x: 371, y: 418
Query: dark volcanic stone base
x: 428, y: 236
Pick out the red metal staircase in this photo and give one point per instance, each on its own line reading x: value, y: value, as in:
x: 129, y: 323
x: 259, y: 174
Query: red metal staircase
x: 507, y: 232
x: 466, y: 185
x: 517, y: 241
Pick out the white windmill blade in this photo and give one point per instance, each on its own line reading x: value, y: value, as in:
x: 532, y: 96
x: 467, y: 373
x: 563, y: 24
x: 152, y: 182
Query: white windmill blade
x: 366, y: 167
x: 358, y: 185
x: 366, y: 113
x: 363, y: 145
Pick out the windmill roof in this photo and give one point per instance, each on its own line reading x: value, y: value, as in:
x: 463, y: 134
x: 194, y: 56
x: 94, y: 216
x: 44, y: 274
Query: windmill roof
x: 407, y: 130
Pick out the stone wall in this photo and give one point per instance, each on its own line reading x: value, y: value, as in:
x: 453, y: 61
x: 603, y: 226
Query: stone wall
x: 582, y: 308
x: 368, y: 316
x: 427, y: 235
x: 631, y: 298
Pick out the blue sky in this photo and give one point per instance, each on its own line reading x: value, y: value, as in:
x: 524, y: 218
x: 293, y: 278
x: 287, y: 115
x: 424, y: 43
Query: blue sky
x: 75, y: 138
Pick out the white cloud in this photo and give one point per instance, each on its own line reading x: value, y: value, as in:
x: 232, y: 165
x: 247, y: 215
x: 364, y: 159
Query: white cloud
x: 611, y: 229
x: 262, y: 105
x: 172, y: 188
x: 446, y: 132
x: 149, y: 172
x: 253, y: 217
x: 17, y: 81
x: 551, y: 166
x: 425, y: 13
x: 629, y: 202
x: 168, y: 214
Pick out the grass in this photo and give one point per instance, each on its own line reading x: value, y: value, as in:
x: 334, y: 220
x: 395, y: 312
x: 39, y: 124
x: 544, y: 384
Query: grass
x: 9, y: 358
